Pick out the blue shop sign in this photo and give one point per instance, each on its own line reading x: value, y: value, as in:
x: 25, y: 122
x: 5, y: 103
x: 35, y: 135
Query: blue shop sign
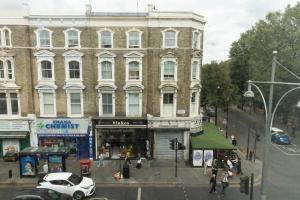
x: 62, y: 126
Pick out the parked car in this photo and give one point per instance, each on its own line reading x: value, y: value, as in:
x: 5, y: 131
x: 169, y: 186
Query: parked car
x: 11, y: 156
x: 279, y: 136
x: 68, y: 183
x: 42, y: 194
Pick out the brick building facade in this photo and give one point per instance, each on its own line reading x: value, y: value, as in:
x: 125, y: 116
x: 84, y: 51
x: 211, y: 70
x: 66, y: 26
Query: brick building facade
x: 102, y: 81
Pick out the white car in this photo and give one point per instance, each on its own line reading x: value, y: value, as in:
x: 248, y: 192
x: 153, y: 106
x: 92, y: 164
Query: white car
x: 68, y: 183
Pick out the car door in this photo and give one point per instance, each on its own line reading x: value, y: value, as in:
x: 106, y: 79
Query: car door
x: 59, y: 186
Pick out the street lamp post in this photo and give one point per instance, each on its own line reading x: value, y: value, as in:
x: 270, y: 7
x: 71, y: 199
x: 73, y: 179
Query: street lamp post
x: 269, y: 116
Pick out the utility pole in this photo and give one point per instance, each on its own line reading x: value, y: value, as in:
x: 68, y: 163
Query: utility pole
x: 247, y: 155
x: 251, y: 186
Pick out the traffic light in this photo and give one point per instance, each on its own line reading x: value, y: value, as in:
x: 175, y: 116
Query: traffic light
x: 181, y: 146
x: 172, y: 144
x: 244, y: 184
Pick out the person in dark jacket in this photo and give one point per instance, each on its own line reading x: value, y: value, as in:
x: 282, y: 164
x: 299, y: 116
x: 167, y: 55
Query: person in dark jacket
x: 213, y: 183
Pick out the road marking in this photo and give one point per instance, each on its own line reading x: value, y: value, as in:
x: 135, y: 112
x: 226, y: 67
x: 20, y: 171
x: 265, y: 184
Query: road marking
x: 284, y: 152
x: 101, y: 198
x: 139, y: 195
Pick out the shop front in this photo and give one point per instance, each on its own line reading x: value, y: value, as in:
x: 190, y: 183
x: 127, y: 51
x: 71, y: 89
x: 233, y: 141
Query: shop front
x: 72, y: 133
x: 14, y: 136
x: 116, y: 136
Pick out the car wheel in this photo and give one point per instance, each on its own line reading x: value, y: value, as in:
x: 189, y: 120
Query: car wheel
x: 78, y: 195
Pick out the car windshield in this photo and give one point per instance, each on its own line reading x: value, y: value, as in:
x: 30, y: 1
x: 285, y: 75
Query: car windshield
x: 75, y: 179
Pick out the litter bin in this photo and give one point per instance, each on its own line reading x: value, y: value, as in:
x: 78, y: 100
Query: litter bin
x: 126, y: 171
x: 85, y: 167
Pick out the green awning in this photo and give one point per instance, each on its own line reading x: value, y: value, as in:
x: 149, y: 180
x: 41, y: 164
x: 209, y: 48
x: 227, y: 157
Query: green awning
x: 212, y: 138
x: 11, y: 134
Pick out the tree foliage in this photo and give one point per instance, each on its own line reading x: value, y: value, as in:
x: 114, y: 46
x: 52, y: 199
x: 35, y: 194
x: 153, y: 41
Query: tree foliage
x: 251, y: 56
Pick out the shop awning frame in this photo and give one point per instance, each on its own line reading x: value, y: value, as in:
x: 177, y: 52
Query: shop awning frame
x: 13, y: 134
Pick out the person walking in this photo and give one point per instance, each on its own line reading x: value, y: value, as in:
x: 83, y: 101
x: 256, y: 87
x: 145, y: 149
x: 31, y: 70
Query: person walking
x: 214, y: 167
x: 101, y: 159
x: 224, y: 183
x: 139, y: 161
x: 213, y: 183
x: 205, y: 167
x: 127, y: 157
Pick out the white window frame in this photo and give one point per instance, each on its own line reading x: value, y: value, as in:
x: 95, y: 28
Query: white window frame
x: 198, y: 45
x: 41, y: 97
x: 8, y: 103
x: 174, y: 92
x: 131, y: 57
x: 194, y: 111
x: 140, y: 103
x: 100, y: 39
x: 67, y: 39
x: 38, y: 39
x: 5, y: 68
x: 140, y: 38
x: 44, y: 55
x: 197, y: 69
x: 3, y: 38
x: 69, y: 92
x: 162, y: 64
x: 73, y: 56
x: 100, y: 93
x: 164, y: 37
x: 109, y: 57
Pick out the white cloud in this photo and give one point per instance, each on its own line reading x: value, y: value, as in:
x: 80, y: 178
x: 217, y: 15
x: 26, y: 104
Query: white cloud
x: 225, y: 19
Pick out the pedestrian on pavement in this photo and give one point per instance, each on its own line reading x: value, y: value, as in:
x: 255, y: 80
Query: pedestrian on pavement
x: 293, y: 130
x: 101, y: 160
x: 214, y: 167
x: 139, y: 161
x: 45, y: 167
x: 224, y: 183
x: 233, y: 140
x: 239, y: 167
x: 213, y: 183
x: 229, y: 164
x: 127, y: 157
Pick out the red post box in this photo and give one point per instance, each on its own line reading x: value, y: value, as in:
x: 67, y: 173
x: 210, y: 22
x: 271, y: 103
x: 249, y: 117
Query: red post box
x: 85, y: 167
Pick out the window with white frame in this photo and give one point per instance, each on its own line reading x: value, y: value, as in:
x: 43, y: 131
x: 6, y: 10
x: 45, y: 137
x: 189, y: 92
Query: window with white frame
x: 170, y: 38
x: 107, y: 103
x: 106, y: 70
x: 194, y: 108
x: 168, y: 104
x: 134, y: 38
x: 44, y: 38
x: 9, y: 103
x: 134, y: 70
x: 72, y: 38
x: 6, y: 70
x: 46, y: 69
x: 133, y: 104
x: 48, y: 105
x: 74, y: 70
x: 106, y: 39
x: 75, y: 104
x: 169, y: 70
x: 5, y: 37
x: 195, y: 70
x: 196, y: 40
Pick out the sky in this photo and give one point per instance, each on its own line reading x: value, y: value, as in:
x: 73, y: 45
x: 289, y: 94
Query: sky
x: 225, y: 19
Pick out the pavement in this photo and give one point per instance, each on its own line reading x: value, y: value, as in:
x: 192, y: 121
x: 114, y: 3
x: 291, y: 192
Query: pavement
x: 153, y: 172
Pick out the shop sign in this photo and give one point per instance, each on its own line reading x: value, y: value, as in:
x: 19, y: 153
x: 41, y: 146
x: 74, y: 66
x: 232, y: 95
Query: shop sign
x: 62, y: 126
x: 122, y: 122
x: 196, y: 125
x: 7, y: 125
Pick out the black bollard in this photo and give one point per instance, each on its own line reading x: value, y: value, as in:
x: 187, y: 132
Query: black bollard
x: 9, y: 173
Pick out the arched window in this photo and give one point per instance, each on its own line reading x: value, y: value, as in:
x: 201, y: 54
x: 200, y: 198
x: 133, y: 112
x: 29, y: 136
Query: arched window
x: 106, y: 70
x: 74, y: 70
x: 73, y: 40
x: 133, y: 71
x: 46, y: 69
x: 169, y: 70
x: 7, y: 37
x: 9, y: 70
